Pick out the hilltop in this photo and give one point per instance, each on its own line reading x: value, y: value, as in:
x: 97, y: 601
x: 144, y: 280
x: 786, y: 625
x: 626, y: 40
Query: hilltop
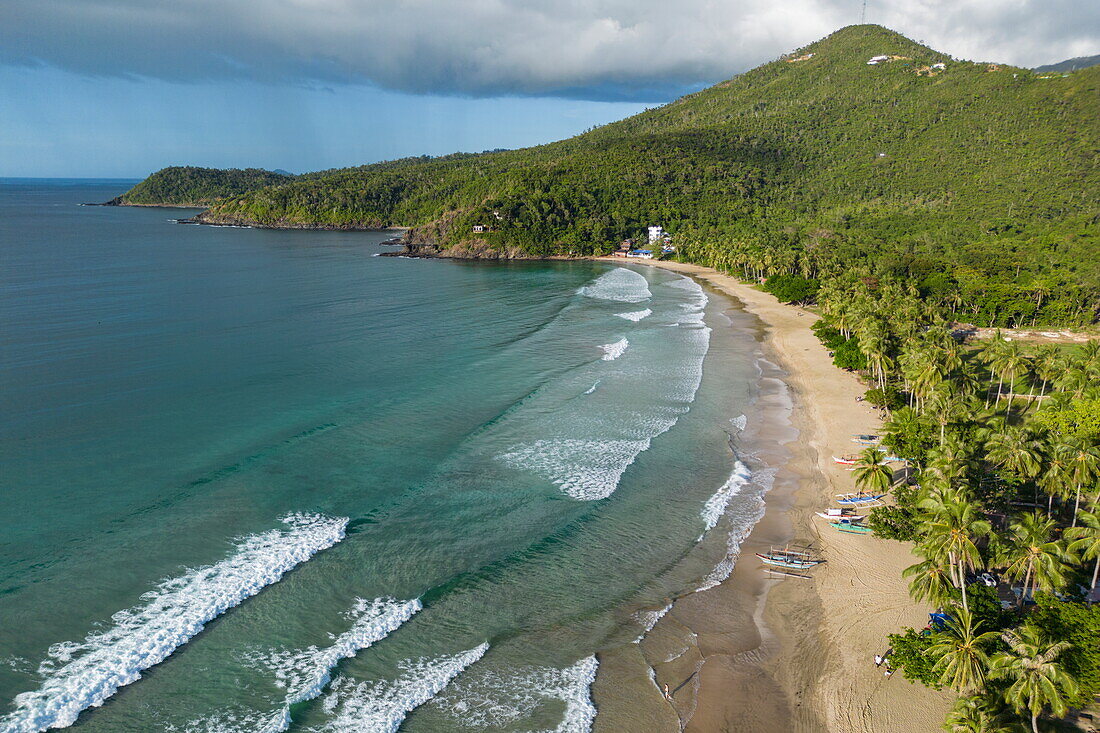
x: 973, y: 179
x: 1074, y: 64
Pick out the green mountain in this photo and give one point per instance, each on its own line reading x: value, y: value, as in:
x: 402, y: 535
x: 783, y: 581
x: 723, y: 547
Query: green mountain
x: 977, y: 182
x: 1074, y: 64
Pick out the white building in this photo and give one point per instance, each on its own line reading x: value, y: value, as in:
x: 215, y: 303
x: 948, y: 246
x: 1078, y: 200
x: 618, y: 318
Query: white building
x: 656, y: 234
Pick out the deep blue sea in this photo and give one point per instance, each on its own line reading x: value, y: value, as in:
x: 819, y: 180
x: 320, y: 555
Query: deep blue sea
x: 260, y: 480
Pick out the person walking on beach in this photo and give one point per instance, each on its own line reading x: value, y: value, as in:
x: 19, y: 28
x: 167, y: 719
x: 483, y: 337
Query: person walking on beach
x: 668, y: 695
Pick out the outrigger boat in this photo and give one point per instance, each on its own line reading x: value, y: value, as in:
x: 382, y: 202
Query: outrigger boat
x: 866, y: 439
x: 788, y: 558
x: 859, y: 499
x: 851, y: 527
x: 851, y: 460
x: 841, y: 515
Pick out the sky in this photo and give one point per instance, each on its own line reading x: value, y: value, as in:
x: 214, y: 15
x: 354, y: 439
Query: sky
x: 120, y: 88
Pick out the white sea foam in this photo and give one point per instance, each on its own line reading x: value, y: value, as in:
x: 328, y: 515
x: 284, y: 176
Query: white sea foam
x: 583, y: 469
x: 739, y: 422
x: 635, y: 315
x: 716, y: 505
x: 740, y: 527
x: 380, y: 707
x: 611, y: 352
x: 501, y: 699
x: 81, y: 675
x: 592, y: 389
x: 649, y: 619
x: 620, y: 284
x: 304, y: 673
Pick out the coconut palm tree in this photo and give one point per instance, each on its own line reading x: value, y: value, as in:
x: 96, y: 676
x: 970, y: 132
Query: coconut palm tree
x: 1047, y: 364
x: 991, y: 355
x: 951, y: 533
x: 1054, y: 477
x: 872, y: 477
x: 1036, y: 679
x: 946, y: 406
x: 981, y: 713
x: 1084, y: 465
x: 1016, y: 449
x: 1011, y: 363
x: 1085, y: 542
x: 930, y: 582
x: 960, y: 652
x: 1034, y: 555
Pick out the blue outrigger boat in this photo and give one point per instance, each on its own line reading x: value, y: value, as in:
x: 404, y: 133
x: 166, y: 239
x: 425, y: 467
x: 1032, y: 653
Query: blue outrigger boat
x: 858, y: 499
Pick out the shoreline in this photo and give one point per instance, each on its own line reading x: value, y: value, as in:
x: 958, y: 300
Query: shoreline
x: 806, y: 662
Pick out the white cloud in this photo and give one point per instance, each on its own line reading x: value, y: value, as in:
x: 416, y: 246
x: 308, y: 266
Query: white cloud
x: 645, y: 49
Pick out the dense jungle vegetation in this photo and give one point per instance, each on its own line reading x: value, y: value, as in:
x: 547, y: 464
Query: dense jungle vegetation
x: 977, y: 182
x: 1000, y: 493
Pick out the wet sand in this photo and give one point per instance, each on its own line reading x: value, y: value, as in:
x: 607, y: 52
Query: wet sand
x: 788, y: 654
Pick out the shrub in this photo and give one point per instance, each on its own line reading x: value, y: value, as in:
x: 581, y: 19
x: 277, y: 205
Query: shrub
x: 894, y: 523
x: 792, y: 288
x: 910, y: 656
x: 848, y: 356
x: 1079, y: 625
x: 891, y: 399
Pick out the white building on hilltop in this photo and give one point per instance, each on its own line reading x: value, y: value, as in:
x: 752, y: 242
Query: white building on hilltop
x: 656, y: 234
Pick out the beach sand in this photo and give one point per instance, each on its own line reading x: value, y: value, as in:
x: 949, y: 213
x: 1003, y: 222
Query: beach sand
x: 793, y: 654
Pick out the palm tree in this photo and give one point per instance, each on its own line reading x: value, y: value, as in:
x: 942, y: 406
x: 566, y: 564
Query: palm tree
x: 1036, y: 680
x: 1011, y: 363
x: 980, y: 713
x: 1017, y: 450
x: 951, y: 462
x: 872, y: 477
x: 930, y: 582
x: 1055, y: 477
x: 1047, y: 365
x: 991, y: 355
x: 1085, y: 542
x: 946, y: 407
x: 951, y: 533
x: 1034, y: 556
x: 1084, y: 465
x: 959, y: 651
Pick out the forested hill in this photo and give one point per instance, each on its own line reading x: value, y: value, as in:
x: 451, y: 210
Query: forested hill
x: 974, y: 180
x: 199, y: 187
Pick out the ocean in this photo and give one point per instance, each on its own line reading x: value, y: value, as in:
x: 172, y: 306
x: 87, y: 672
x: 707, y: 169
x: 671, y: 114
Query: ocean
x: 262, y: 480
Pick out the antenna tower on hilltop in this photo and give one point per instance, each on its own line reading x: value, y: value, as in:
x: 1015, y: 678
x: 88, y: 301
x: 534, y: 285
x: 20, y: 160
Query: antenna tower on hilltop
x: 863, y: 13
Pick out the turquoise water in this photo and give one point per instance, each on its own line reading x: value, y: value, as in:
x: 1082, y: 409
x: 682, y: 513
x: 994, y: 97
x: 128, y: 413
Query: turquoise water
x: 259, y: 480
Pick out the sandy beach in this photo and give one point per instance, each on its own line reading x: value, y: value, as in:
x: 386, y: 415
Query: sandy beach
x: 794, y: 654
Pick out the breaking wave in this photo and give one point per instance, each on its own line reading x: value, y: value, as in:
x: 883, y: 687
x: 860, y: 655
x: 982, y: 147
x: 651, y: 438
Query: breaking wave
x: 305, y: 673
x: 500, y: 699
x: 611, y: 352
x: 621, y: 284
x: 741, y: 525
x: 635, y: 315
x: 381, y: 707
x: 85, y: 674
x: 584, y: 469
x: 716, y: 505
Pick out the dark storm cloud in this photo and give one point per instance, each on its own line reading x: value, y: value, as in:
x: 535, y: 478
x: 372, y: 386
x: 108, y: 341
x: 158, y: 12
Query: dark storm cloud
x: 594, y: 49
